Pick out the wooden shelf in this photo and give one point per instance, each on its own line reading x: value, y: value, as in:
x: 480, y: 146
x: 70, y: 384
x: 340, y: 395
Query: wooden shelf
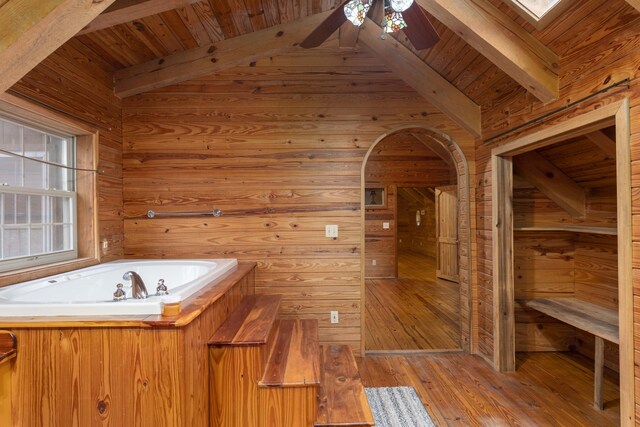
x: 609, y: 231
x: 600, y: 321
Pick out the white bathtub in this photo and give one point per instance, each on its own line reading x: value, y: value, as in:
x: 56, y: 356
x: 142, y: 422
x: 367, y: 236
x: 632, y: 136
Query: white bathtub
x: 89, y: 291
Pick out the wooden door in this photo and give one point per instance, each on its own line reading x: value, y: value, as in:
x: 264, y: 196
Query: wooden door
x: 447, y: 232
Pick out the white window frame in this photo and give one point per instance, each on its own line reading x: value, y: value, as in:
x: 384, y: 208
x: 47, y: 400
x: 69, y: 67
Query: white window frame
x: 48, y: 257
x: 87, y: 237
x: 540, y: 22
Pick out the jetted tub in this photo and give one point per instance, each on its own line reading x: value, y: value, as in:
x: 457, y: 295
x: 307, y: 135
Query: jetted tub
x: 89, y: 291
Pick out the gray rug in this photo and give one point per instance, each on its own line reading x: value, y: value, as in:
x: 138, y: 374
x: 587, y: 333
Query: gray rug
x: 397, y: 407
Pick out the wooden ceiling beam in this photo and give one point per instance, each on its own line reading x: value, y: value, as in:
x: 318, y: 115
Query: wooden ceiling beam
x: 123, y: 11
x: 30, y: 30
x: 425, y: 80
x: 218, y: 56
x: 603, y: 142
x: 552, y: 182
x: 635, y: 3
x: 348, y: 35
x: 501, y: 40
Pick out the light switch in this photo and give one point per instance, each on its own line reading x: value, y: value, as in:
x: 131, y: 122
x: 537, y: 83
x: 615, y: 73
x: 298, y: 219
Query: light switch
x: 385, y: 225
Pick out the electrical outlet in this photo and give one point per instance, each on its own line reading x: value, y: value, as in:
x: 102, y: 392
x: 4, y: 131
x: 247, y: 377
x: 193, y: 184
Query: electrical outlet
x: 385, y: 225
x: 334, y: 317
x: 105, y: 244
x: 331, y: 231
x: 374, y: 262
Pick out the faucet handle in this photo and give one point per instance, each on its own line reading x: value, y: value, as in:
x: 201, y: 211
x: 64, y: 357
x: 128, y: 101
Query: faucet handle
x: 161, y: 289
x: 119, y: 294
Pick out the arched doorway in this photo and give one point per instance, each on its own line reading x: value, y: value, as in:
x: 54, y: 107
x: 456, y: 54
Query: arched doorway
x: 379, y: 206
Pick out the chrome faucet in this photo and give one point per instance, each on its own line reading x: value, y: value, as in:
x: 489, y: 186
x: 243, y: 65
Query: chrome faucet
x: 138, y: 289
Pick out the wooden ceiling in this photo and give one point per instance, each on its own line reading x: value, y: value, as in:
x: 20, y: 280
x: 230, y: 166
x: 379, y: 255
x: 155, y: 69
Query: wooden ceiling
x: 184, y: 28
x: 203, y: 22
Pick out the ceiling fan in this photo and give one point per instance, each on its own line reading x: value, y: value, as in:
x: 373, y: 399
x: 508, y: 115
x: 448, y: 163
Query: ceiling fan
x: 403, y: 15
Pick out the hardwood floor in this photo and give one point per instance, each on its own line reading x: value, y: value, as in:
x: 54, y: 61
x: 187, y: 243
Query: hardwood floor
x: 548, y: 389
x: 416, y: 311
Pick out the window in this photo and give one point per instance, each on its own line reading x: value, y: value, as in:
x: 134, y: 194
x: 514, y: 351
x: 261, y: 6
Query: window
x: 539, y: 12
x: 37, y: 198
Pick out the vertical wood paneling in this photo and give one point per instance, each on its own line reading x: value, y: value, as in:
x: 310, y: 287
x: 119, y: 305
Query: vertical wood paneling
x: 278, y: 146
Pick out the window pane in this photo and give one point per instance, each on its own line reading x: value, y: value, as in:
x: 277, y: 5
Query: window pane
x: 58, y: 209
x: 57, y: 238
x: 10, y: 166
x: 36, y: 209
x: 34, y: 172
x: 22, y: 209
x: 9, y: 208
x: 57, y: 149
x: 37, y: 241
x: 15, y: 242
x: 10, y: 170
x: 11, y: 137
x: 15, y: 208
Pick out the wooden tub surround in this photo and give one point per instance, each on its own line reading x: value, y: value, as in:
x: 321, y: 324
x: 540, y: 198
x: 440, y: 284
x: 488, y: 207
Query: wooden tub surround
x: 268, y: 372
x: 8, y: 352
x: 120, y: 370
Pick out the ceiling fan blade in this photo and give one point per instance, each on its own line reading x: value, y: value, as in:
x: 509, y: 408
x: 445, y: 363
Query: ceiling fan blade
x: 419, y: 29
x: 326, y: 28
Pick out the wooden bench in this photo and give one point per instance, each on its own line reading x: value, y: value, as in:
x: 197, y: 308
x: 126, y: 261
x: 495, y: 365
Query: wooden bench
x: 341, y: 400
x: 599, y: 321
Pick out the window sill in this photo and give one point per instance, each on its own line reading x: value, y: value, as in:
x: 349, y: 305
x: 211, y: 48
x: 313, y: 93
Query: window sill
x: 32, y: 273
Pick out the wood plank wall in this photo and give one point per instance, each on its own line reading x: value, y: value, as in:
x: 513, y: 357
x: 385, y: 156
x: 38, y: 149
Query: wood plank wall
x: 411, y: 237
x: 587, y: 64
x: 278, y: 146
x: 75, y: 81
x: 397, y: 161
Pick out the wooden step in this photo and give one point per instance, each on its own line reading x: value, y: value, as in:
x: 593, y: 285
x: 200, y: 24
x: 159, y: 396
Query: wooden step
x: 341, y: 398
x: 238, y: 353
x: 288, y: 389
x: 295, y: 356
x: 250, y: 323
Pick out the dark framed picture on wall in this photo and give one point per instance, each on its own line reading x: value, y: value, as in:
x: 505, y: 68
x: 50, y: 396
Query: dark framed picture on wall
x: 374, y: 197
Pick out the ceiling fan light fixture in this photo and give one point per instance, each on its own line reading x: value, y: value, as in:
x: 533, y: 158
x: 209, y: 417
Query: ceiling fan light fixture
x: 401, y: 5
x: 356, y: 11
x: 394, y: 21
